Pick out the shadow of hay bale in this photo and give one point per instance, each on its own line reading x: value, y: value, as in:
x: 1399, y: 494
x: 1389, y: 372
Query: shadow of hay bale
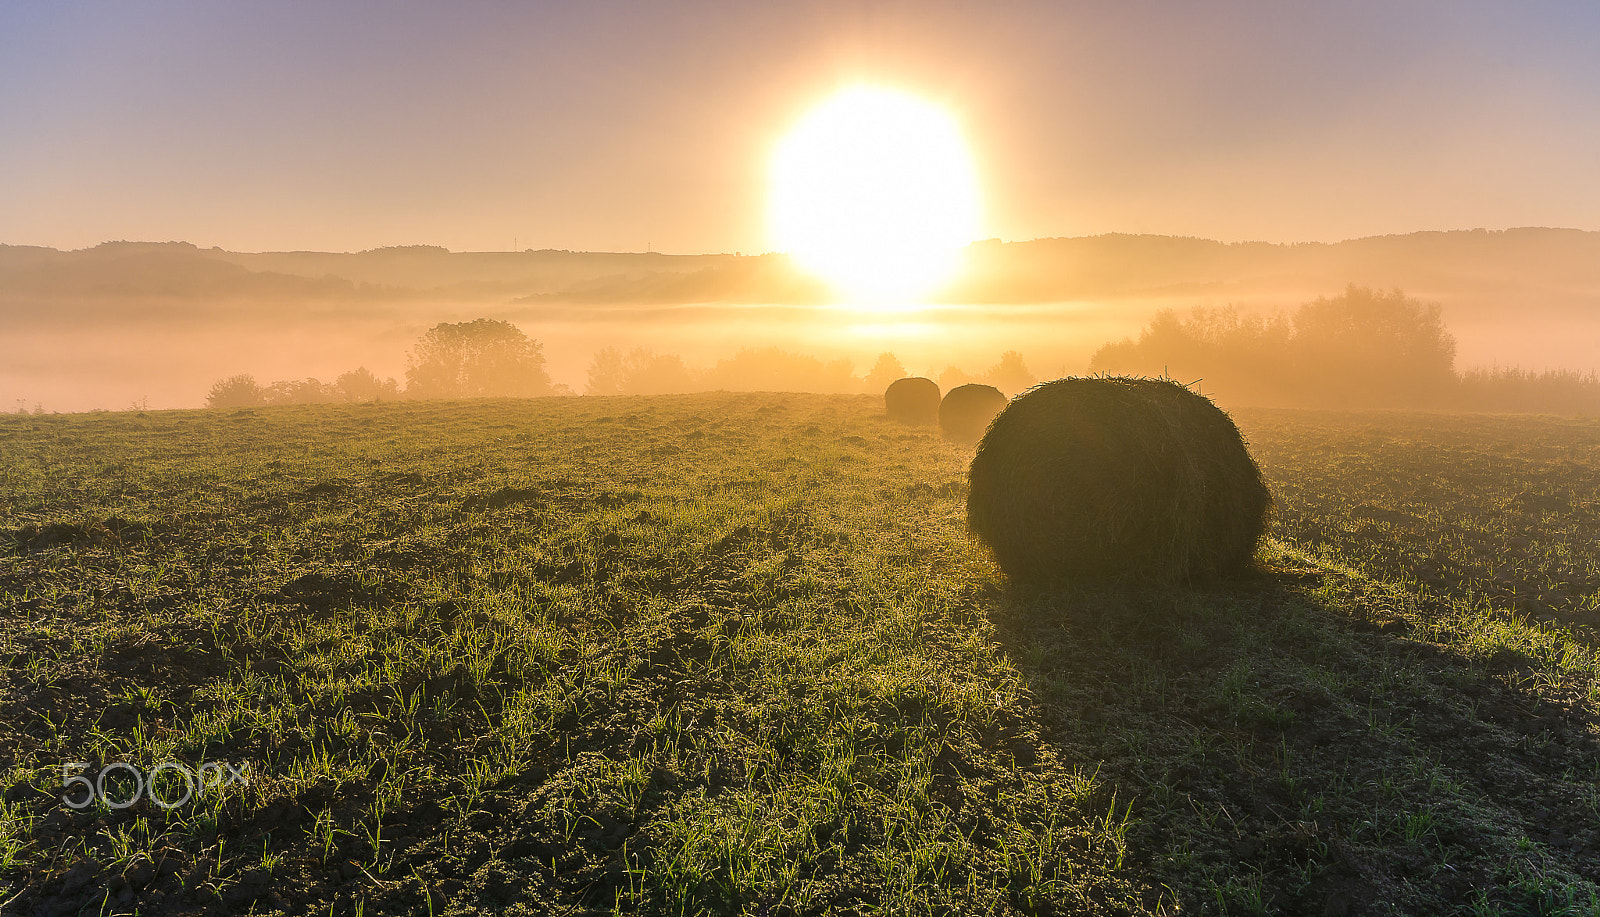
x: 1115, y: 479
x: 966, y: 411
x: 913, y: 400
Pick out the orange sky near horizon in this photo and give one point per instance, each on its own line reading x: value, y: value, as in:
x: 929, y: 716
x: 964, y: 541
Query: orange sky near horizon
x: 627, y: 126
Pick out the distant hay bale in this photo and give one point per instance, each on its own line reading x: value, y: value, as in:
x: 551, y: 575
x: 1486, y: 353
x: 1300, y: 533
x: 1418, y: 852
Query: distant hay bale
x: 1115, y: 479
x: 913, y: 400
x: 966, y: 411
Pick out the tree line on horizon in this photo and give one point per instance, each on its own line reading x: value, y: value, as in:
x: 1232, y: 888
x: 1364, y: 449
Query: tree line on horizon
x: 641, y: 371
x: 489, y: 358
x: 475, y: 359
x: 1363, y: 349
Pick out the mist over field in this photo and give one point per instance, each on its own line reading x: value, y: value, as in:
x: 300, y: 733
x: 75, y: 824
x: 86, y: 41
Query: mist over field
x: 155, y: 324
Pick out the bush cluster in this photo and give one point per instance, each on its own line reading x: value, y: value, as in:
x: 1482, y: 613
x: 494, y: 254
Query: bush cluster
x: 1362, y: 349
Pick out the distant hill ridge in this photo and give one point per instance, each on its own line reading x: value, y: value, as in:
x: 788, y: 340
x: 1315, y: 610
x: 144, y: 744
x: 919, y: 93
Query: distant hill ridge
x: 1556, y: 270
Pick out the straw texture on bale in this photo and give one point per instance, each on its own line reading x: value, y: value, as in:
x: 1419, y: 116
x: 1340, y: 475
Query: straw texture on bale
x: 1115, y: 480
x: 966, y: 411
x: 912, y: 400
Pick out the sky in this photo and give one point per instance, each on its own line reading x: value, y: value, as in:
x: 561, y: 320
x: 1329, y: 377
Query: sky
x: 610, y: 126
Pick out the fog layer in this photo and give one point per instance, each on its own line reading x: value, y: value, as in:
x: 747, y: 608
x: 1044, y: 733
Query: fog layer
x: 156, y: 324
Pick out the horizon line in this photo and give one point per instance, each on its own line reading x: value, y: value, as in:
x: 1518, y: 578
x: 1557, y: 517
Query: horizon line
x: 738, y: 253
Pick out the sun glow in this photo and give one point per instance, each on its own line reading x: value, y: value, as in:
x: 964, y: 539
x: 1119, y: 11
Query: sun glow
x: 875, y: 192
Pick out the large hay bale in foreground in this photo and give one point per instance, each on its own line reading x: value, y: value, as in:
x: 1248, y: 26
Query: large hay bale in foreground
x: 1115, y: 479
x: 966, y: 411
x: 912, y: 400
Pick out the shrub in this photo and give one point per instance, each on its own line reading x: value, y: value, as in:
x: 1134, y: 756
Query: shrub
x: 1553, y: 391
x: 239, y: 391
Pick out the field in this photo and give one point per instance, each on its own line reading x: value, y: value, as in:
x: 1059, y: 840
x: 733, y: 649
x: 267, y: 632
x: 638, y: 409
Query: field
x: 736, y: 654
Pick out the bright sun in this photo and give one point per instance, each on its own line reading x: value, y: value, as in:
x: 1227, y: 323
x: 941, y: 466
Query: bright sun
x: 874, y: 191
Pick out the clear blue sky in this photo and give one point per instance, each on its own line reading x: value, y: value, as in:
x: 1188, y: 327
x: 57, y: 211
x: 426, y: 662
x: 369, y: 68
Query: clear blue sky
x: 613, y: 126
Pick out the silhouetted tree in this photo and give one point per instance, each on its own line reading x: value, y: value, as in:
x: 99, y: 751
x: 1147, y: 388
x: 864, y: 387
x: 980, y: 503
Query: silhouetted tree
x: 362, y: 384
x: 300, y: 391
x: 1360, y: 349
x: 1234, y: 353
x: 1373, y: 349
x: 649, y: 373
x: 606, y: 373
x: 1010, y: 375
x: 476, y: 359
x: 883, y: 372
x: 639, y: 372
x: 239, y: 391
x: 839, y: 376
x: 952, y: 377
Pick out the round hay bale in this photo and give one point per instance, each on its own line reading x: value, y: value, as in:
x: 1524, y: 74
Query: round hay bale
x: 966, y: 411
x: 1115, y: 479
x: 913, y: 400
